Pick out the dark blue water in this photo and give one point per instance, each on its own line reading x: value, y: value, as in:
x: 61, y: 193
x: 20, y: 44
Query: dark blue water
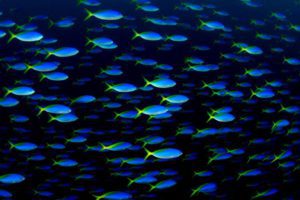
x: 83, y: 151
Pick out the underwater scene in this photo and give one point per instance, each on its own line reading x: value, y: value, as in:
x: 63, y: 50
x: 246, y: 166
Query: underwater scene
x: 149, y: 99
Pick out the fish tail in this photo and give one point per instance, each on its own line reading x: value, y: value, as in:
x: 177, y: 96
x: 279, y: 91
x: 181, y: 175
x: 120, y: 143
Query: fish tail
x: 54, y: 162
x: 37, y: 52
x: 188, y: 68
x: 89, y: 41
x: 144, y: 144
x: 131, y: 181
x: 284, y: 60
x: 67, y: 141
x: 30, y: 19
x: 87, y: 148
x: 52, y: 118
x: 9, y: 67
x: 275, y: 159
x: 234, y: 44
x: 109, y: 87
x: 241, y: 50
x: 51, y: 23
x: 210, y: 117
x: 72, y: 101
x: 167, y: 38
x: 135, y: 34
x: 96, y: 197
x: 246, y: 72
x: 147, y: 82
x: 274, y: 126
x: 205, y: 85
x: 108, y: 160
x: 202, y: 23
x: 163, y: 99
x: 214, y: 93
x: 42, y: 77
x: 137, y: 62
x: 213, y: 110
x: 239, y: 176
x: 194, y: 192
x: 7, y: 91
x: 28, y: 67
x: 149, y: 153
x: 252, y: 93
x: 282, y: 108
x: 256, y: 34
x: 41, y: 109
x: 11, y: 145
x: 152, y: 187
x: 103, y: 147
x: 89, y: 14
x: 49, y: 53
x: 117, y: 115
x: 149, y: 118
x: 137, y: 7
x: 210, y: 160
x: 11, y: 37
x: 122, y: 162
x: 116, y: 58
x: 222, y: 55
x: 18, y: 27
x: 139, y: 112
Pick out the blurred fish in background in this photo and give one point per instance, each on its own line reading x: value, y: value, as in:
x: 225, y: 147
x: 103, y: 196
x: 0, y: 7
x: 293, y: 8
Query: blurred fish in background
x: 149, y: 99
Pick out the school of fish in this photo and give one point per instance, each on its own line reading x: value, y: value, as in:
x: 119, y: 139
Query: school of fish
x: 149, y: 99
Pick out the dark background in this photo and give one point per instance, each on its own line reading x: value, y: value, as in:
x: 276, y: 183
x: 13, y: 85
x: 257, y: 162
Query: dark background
x: 19, y: 11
